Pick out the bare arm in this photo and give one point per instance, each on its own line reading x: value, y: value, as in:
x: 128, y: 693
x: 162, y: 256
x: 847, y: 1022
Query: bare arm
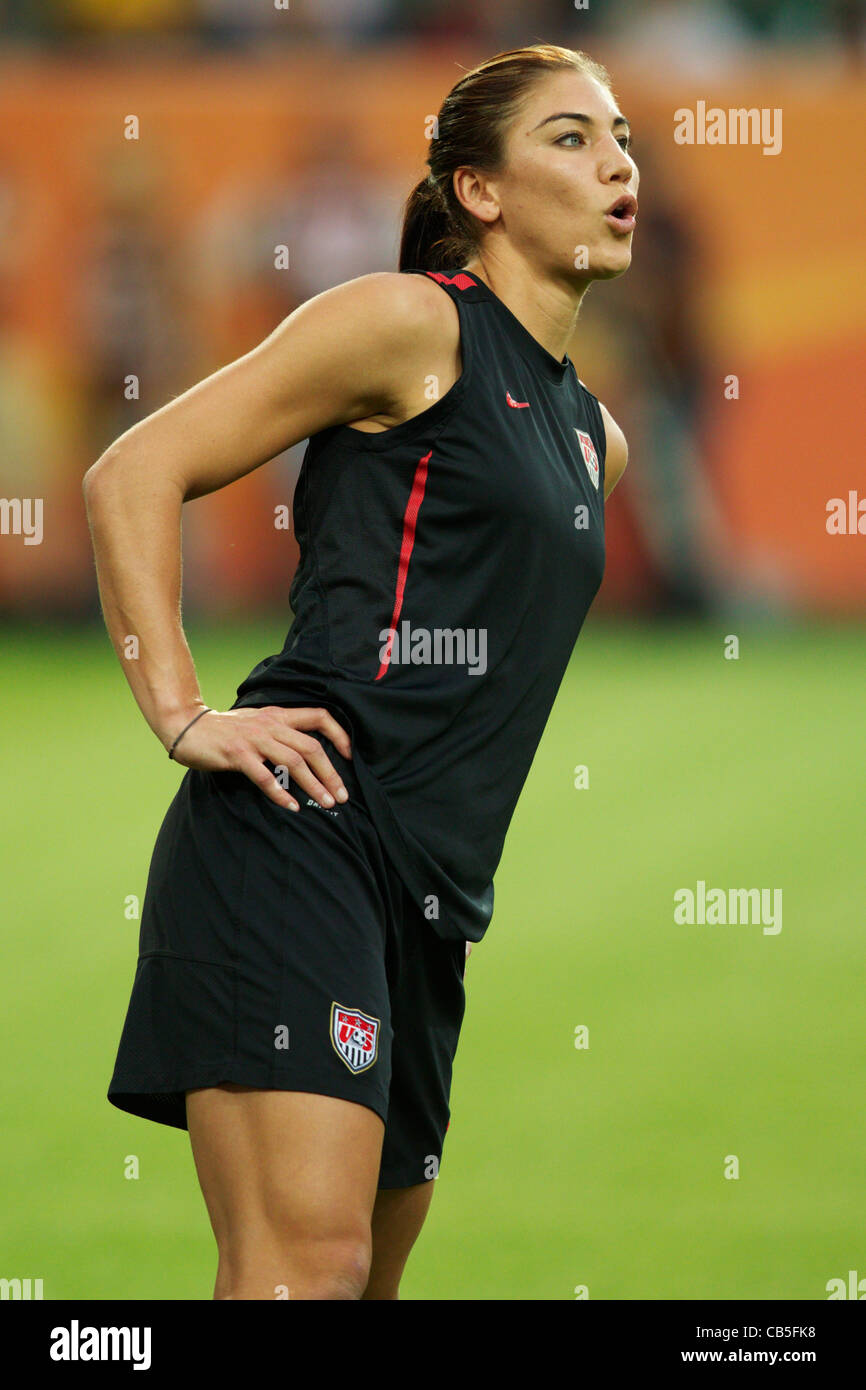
x: 343, y: 355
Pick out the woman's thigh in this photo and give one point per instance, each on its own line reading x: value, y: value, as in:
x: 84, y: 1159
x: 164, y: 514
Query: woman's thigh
x: 289, y: 1179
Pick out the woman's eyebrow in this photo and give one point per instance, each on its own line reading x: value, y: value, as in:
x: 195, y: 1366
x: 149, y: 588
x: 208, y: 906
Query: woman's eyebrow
x: 579, y: 116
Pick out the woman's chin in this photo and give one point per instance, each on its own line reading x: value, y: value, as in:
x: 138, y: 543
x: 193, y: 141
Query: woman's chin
x: 609, y: 266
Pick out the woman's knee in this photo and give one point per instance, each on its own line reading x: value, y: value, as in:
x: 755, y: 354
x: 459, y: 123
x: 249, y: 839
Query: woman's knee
x: 299, y: 1264
x: 334, y: 1268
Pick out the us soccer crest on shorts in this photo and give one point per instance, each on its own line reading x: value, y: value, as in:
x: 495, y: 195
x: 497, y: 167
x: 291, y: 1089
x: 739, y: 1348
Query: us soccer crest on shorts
x: 355, y: 1037
x: 590, y: 457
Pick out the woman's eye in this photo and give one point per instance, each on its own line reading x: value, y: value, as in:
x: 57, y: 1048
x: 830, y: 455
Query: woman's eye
x: 571, y: 135
x: 625, y: 143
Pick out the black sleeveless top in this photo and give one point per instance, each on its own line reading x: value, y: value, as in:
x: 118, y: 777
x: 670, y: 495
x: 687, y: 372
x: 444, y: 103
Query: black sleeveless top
x: 446, y: 567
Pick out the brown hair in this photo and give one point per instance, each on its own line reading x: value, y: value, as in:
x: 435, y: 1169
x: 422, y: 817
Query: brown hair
x: 471, y: 127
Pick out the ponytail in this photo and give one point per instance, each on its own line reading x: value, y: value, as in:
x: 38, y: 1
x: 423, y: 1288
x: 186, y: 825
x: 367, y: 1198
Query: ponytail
x: 430, y: 239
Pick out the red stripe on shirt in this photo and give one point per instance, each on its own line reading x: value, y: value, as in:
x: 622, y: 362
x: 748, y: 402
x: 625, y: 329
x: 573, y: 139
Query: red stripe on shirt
x: 410, y: 517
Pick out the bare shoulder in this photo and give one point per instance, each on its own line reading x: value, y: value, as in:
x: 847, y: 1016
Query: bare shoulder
x: 404, y: 329
x: 433, y: 325
x: 401, y: 307
x: 616, y: 451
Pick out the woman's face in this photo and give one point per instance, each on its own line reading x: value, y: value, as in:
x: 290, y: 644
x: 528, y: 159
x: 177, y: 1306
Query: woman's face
x: 567, y: 167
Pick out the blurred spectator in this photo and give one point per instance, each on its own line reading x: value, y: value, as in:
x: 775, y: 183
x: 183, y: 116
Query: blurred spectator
x: 801, y: 21
x: 236, y: 21
x: 124, y: 16
x: 500, y: 24
x: 347, y: 21
x: 678, y: 36
x: 336, y: 217
x: 24, y: 19
x: 851, y: 23
x: 130, y: 301
x: 652, y: 346
x: 39, y: 423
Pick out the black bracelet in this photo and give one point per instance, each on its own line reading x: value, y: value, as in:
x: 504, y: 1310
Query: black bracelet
x: 207, y: 710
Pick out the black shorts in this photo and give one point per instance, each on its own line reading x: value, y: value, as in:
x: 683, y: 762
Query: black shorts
x: 279, y: 949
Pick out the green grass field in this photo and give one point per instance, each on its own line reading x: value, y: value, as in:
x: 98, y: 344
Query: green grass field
x: 602, y: 1166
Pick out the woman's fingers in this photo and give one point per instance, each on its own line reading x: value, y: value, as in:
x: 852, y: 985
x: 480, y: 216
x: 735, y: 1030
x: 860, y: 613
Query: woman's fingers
x: 314, y: 718
x: 249, y: 764
x: 306, y: 762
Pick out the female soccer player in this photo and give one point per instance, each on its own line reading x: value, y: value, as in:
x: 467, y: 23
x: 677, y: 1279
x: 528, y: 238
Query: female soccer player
x: 330, y: 850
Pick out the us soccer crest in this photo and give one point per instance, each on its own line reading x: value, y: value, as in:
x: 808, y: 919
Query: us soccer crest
x: 355, y: 1037
x: 590, y: 457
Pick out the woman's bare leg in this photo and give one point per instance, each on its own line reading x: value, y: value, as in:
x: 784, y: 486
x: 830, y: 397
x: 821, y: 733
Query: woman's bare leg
x: 398, y: 1216
x: 289, y: 1180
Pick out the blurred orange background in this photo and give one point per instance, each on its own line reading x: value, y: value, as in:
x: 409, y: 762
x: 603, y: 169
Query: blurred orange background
x: 154, y: 257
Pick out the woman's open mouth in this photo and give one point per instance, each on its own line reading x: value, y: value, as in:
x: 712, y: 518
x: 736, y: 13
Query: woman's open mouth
x: 623, y: 215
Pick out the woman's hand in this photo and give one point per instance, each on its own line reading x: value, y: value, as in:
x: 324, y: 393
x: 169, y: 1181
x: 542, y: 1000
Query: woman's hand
x: 243, y: 739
